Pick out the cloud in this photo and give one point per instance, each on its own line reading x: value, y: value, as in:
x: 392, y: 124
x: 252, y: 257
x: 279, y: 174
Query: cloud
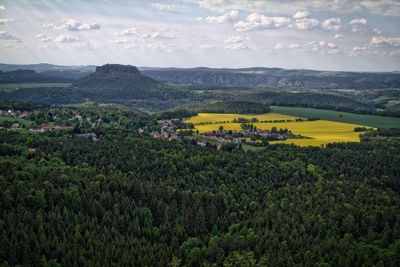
x: 357, y: 24
x: 8, y: 36
x: 338, y: 36
x: 306, y: 23
x: 332, y: 24
x: 361, y: 21
x: 233, y: 40
x: 256, y: 21
x: 206, y: 47
x: 228, y: 17
x: 4, y: 21
x: 163, y: 35
x: 65, y: 39
x: 72, y: 25
x: 279, y: 46
x: 42, y: 37
x: 166, y: 7
x: 385, y: 41
x: 235, y: 43
x: 294, y: 46
x: 128, y: 32
x: 2, y: 8
x: 332, y: 45
x: 380, y: 7
x: 301, y: 14
x: 118, y: 41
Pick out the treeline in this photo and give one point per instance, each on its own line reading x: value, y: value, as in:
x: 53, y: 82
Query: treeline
x: 237, y: 107
x: 21, y: 105
x: 132, y: 201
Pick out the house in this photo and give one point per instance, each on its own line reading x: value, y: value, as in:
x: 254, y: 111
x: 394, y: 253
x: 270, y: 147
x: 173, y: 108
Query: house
x: 87, y: 136
x: 154, y: 135
x: 78, y: 117
x: 201, y: 143
x: 15, y: 125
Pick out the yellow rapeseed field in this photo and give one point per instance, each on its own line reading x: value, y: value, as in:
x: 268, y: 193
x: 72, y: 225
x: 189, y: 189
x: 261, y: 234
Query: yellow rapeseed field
x: 321, y: 132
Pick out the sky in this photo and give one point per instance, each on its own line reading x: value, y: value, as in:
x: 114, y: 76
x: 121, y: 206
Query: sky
x: 355, y: 35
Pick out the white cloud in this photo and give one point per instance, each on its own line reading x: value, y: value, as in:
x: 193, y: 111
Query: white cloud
x: 256, y: 21
x: 358, y: 50
x: 322, y: 43
x: 118, y: 41
x: 228, y: 17
x: 385, y: 41
x: 306, y: 23
x: 8, y: 36
x: 65, y: 39
x: 294, y: 46
x: 42, y: 37
x: 2, y: 8
x: 237, y: 46
x: 128, y: 32
x: 332, y: 24
x: 235, y: 43
x: 72, y: 25
x: 357, y: 24
x: 381, y: 7
x: 338, y: 36
x: 166, y: 7
x: 163, y: 35
x: 361, y: 21
x: 332, y: 45
x: 301, y: 14
x: 233, y: 40
x: 4, y: 21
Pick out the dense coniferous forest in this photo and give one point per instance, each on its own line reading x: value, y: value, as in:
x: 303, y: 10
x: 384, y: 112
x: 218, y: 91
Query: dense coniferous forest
x: 127, y: 200
x: 234, y: 133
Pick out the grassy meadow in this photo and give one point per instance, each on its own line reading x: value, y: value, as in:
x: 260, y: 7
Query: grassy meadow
x: 320, y: 132
x: 367, y: 120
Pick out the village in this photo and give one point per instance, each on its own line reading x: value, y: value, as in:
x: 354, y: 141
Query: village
x: 174, y: 129
x: 67, y: 125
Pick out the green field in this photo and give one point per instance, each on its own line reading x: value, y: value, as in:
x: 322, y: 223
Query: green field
x: 8, y: 87
x: 367, y: 120
x: 23, y: 121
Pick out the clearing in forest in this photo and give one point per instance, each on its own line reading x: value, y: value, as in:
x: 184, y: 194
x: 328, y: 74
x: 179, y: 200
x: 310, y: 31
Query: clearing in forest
x: 319, y: 132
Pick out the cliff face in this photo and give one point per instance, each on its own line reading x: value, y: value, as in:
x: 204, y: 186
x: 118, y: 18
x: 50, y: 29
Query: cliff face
x: 116, y: 68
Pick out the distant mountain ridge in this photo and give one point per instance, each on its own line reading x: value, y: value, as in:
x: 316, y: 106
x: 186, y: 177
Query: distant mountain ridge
x: 241, y: 77
x: 29, y: 76
x: 270, y: 77
x: 66, y: 72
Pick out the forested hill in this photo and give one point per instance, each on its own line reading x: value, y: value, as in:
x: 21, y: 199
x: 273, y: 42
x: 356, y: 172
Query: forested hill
x: 252, y: 77
x: 240, y: 107
x: 30, y: 76
x: 130, y: 201
x: 118, y: 81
